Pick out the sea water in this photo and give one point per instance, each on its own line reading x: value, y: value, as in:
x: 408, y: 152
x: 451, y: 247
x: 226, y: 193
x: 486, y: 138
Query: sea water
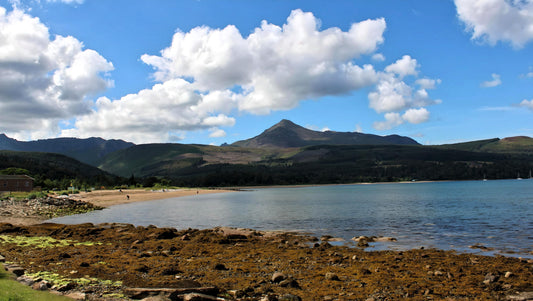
x: 446, y: 215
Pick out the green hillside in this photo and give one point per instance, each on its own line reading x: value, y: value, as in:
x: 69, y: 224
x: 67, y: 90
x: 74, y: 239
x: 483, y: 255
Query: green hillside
x: 139, y: 160
x: 512, y: 145
x: 200, y: 165
x: 55, y: 170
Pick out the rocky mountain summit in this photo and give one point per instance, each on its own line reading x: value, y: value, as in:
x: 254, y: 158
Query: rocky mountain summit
x: 288, y: 134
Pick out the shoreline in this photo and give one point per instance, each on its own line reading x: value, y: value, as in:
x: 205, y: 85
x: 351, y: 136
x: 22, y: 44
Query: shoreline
x: 105, y: 198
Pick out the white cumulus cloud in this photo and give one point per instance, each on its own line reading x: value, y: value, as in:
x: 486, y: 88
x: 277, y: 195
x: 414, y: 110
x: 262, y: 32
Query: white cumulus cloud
x: 416, y: 116
x: 498, y: 20
x: 496, y: 81
x: 155, y: 114
x: 391, y: 120
x: 527, y: 104
x: 404, y: 66
x: 276, y: 66
x: 428, y: 83
x: 44, y: 79
x: 378, y: 57
x: 392, y: 95
x: 217, y: 133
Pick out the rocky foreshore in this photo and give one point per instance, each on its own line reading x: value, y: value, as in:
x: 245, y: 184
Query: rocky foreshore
x: 121, y: 261
x: 35, y: 210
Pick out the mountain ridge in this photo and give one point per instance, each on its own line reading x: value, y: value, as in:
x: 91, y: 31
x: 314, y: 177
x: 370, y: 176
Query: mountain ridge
x: 288, y: 134
x: 88, y: 150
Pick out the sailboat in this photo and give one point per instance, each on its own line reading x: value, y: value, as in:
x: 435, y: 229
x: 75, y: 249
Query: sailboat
x: 518, y: 177
x: 530, y: 174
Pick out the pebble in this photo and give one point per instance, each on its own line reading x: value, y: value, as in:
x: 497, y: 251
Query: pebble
x: 198, y: 297
x: 40, y: 286
x: 289, y: 297
x: 332, y: 276
x: 278, y: 277
x: 289, y: 283
x: 76, y: 296
x: 490, y: 278
x: 15, y: 269
x: 26, y: 280
x: 220, y: 267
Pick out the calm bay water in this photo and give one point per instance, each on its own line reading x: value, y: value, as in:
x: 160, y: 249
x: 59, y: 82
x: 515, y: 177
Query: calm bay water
x: 444, y: 215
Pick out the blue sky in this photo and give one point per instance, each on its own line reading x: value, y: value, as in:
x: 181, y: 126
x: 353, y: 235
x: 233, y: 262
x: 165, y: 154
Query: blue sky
x: 215, y: 71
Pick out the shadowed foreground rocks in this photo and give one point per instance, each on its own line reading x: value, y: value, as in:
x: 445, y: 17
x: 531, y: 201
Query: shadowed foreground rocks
x: 118, y: 261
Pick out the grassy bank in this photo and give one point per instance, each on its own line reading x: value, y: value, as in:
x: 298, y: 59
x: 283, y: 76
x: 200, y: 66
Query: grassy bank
x: 11, y: 290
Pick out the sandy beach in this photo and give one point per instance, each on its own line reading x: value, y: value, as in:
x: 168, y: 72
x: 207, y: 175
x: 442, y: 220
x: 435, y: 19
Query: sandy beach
x: 106, y: 198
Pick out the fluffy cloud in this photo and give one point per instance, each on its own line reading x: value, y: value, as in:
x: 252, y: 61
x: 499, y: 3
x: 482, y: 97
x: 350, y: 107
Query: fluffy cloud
x: 155, y: 114
x: 498, y: 20
x: 43, y: 79
x: 217, y: 133
x: 527, y: 104
x: 392, y: 119
x: 416, y: 116
x: 428, y: 83
x: 496, y: 81
x: 378, y: 57
x: 276, y: 67
x: 404, y: 66
x: 393, y: 94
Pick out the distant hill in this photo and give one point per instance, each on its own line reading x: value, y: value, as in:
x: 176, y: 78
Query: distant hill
x: 45, y: 166
x: 510, y: 145
x: 90, y: 151
x: 150, y: 159
x: 288, y: 134
x: 286, y: 153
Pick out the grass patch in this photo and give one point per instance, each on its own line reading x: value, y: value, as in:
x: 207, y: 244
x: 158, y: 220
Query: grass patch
x: 42, y: 242
x: 19, y: 195
x: 59, y: 280
x: 11, y: 290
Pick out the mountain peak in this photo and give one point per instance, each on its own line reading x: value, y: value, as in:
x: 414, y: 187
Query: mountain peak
x: 286, y: 134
